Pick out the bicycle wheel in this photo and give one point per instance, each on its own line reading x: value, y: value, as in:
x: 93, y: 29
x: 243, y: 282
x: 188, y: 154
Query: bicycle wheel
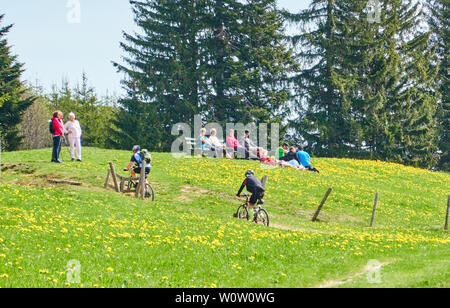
x: 131, y: 186
x: 149, y: 192
x: 242, y: 213
x: 262, y: 217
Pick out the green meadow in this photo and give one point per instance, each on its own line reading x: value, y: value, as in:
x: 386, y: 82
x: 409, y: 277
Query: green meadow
x: 189, y: 238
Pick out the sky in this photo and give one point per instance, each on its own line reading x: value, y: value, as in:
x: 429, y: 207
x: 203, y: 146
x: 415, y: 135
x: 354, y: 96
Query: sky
x: 61, y: 39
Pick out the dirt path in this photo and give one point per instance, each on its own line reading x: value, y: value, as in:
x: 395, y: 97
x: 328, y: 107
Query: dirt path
x: 368, y: 268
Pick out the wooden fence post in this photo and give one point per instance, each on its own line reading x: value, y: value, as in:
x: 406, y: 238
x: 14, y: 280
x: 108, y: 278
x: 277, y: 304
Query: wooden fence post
x: 448, y: 213
x: 264, y: 181
x: 372, y: 221
x: 140, y: 190
x: 107, y: 178
x: 113, y: 173
x: 322, y: 204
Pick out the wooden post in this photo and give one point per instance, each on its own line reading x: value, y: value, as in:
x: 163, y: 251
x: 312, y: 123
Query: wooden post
x: 107, y: 178
x: 374, y: 210
x: 113, y: 173
x: 140, y: 190
x: 322, y: 204
x: 448, y: 213
x: 264, y: 181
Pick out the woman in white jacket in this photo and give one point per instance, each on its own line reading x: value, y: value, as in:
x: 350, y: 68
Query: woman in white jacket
x: 73, y: 129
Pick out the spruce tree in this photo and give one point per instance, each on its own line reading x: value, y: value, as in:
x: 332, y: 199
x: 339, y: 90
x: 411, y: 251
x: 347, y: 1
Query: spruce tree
x: 438, y: 20
x: 162, y: 72
x: 322, y: 116
x: 264, y: 66
x: 397, y: 101
x: 368, y: 86
x: 13, y: 101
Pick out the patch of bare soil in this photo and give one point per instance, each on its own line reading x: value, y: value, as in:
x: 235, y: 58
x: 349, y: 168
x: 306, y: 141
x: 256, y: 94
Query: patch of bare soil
x: 17, y: 168
x: 367, y: 269
x: 188, y: 193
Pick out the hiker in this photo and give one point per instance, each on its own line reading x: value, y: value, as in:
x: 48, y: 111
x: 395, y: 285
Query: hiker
x: 305, y: 159
x: 282, y: 151
x: 254, y: 186
x: 74, y: 131
x: 291, y: 160
x: 252, y: 151
x: 57, y: 130
x: 137, y: 160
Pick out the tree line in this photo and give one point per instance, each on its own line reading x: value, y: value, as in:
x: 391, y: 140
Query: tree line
x: 340, y: 82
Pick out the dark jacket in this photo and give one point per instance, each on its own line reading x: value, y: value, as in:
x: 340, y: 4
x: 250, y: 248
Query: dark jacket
x: 291, y: 156
x: 253, y: 185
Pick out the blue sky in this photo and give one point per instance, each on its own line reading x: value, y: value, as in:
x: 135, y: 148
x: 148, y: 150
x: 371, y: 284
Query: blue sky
x: 54, y: 49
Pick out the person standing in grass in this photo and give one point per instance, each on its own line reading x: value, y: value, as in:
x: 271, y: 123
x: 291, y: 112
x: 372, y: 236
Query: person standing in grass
x: 74, y: 131
x: 305, y: 159
x: 57, y: 130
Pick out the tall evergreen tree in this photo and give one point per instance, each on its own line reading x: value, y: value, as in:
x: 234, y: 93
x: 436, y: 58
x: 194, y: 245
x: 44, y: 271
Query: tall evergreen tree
x: 396, y: 85
x: 321, y: 115
x: 368, y: 86
x: 261, y: 78
x: 438, y: 20
x: 162, y: 72
x: 13, y: 101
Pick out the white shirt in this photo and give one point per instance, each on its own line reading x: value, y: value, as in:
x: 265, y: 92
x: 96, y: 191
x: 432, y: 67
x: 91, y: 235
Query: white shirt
x: 213, y: 140
x: 74, y: 128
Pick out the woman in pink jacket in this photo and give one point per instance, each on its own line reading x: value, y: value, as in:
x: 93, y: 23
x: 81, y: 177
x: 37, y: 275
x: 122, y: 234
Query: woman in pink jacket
x: 58, y: 135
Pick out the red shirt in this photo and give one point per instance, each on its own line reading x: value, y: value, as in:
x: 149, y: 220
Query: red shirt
x: 58, y: 126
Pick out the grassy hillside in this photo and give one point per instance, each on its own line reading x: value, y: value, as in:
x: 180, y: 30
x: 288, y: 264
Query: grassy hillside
x: 188, y: 238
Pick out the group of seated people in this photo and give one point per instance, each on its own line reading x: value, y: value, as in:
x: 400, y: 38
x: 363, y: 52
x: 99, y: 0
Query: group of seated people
x: 247, y: 149
x: 231, y: 148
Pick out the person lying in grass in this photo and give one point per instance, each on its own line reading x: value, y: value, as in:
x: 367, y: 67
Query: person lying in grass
x: 305, y: 159
x: 254, y: 186
x: 291, y: 160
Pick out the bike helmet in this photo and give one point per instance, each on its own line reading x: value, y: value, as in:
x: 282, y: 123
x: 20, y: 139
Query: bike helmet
x: 136, y: 148
x: 249, y: 173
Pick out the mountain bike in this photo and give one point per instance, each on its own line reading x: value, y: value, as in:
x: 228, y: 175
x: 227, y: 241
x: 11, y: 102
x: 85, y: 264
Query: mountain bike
x: 260, y: 215
x: 149, y: 192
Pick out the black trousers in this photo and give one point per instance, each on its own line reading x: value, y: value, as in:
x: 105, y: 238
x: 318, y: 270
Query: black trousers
x: 311, y: 168
x: 256, y: 196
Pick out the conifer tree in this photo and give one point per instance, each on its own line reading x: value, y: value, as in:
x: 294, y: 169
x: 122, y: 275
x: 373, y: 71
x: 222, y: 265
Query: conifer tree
x: 13, y: 101
x: 162, y: 72
x: 438, y: 20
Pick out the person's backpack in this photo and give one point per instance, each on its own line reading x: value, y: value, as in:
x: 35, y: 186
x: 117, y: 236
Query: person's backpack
x: 145, y: 155
x: 51, y: 128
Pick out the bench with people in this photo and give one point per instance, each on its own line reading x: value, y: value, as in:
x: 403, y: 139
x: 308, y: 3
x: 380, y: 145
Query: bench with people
x: 246, y: 148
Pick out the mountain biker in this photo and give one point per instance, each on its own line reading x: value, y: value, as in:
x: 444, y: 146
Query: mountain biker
x: 137, y: 160
x: 254, y: 186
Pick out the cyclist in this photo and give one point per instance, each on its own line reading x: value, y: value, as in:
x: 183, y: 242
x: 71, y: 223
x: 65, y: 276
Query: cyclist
x: 254, y: 186
x: 138, y: 159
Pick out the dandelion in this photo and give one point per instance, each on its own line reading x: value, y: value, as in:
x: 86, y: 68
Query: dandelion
x: 110, y: 270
